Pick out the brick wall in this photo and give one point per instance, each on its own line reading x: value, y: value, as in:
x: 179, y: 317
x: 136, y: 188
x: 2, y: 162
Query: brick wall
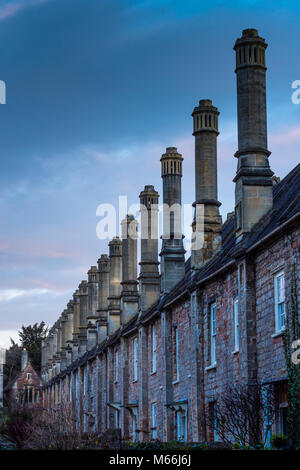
x: 260, y: 355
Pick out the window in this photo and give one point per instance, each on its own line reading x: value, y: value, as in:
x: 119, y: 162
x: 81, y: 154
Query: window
x: 135, y: 359
x: 117, y: 419
x: 134, y: 428
x: 176, y: 354
x: 28, y: 376
x: 213, y: 411
x: 154, y: 430
x: 153, y: 348
x: 116, y: 364
x: 181, y: 426
x: 279, y: 291
x: 213, y: 334
x: 236, y: 324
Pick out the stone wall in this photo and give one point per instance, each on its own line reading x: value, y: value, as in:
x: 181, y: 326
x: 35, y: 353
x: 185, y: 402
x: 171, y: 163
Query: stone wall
x: 98, y: 392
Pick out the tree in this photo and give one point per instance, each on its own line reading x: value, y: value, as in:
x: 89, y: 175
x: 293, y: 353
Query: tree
x: 31, y: 338
x: 244, y: 414
x: 12, y: 364
x: 290, y: 337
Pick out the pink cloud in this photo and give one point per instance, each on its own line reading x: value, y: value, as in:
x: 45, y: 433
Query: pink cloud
x: 11, y: 8
x: 286, y: 136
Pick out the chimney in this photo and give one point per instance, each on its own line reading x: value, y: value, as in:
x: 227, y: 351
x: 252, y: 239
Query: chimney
x: 115, y: 278
x: 83, y: 311
x: 149, y: 278
x: 69, y: 328
x: 129, y: 293
x: 207, y: 223
x: 58, y: 337
x: 92, y: 307
x: 103, y: 277
x: 24, y: 359
x: 253, y: 189
x: 76, y: 320
x: 172, y: 253
x: 2, y: 362
x: 63, y: 325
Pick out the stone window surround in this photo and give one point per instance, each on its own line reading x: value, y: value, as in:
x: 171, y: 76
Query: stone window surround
x: 276, y: 274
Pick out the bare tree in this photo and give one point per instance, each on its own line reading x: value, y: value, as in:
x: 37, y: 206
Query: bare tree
x: 244, y: 414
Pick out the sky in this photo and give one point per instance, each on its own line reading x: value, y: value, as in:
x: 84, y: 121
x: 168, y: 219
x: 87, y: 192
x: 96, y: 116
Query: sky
x: 95, y: 92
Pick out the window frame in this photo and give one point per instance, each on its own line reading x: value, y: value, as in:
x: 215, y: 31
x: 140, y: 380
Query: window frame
x: 216, y: 435
x: 116, y: 365
x: 154, y: 420
x: 278, y: 314
x: 135, y: 359
x: 154, y: 348
x: 213, y: 333
x: 181, y: 425
x: 134, y: 428
x: 117, y: 418
x: 176, y: 353
x: 236, y: 330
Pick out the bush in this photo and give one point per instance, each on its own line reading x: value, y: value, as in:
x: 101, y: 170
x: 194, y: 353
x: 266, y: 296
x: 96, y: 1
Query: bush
x: 55, y: 429
x: 279, y: 441
x: 15, y: 426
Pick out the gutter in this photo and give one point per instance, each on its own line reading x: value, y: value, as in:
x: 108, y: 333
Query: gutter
x: 276, y: 230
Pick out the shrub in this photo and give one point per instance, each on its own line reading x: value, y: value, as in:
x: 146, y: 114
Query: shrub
x: 16, y: 427
x: 279, y: 441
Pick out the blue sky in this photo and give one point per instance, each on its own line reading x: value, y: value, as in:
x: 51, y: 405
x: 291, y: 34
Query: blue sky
x: 96, y: 90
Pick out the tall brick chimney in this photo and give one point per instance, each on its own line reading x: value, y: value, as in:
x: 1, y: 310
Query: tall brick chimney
x: 115, y: 278
x: 172, y: 253
x: 129, y: 294
x: 103, y: 273
x: 149, y: 278
x: 205, y: 118
x: 253, y: 189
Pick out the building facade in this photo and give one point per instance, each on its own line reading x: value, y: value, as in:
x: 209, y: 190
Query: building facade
x: 151, y: 354
x: 26, y: 389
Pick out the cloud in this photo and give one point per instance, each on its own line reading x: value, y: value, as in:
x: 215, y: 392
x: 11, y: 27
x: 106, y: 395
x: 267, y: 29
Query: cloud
x: 286, y: 136
x: 10, y: 8
x: 5, y: 336
x: 11, y: 294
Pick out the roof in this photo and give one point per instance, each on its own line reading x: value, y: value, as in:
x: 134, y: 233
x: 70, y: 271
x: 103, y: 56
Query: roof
x: 28, y: 368
x: 286, y: 206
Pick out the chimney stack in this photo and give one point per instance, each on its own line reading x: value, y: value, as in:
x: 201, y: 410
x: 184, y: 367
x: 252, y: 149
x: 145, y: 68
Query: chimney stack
x: 63, y: 325
x: 103, y: 276
x: 129, y: 293
x: 115, y: 278
x: 24, y: 359
x: 76, y: 320
x: 149, y: 278
x: 205, y: 117
x: 83, y: 311
x: 253, y: 189
x: 172, y: 253
x: 92, y: 307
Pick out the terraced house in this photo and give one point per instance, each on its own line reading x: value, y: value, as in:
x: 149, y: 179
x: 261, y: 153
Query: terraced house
x: 151, y: 353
